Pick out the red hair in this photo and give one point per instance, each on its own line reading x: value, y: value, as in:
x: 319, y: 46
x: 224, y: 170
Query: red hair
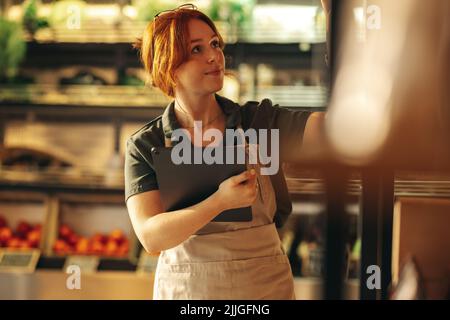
x: 165, y: 45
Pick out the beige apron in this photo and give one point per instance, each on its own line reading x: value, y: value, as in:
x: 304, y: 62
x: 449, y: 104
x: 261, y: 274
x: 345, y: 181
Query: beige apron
x: 229, y: 260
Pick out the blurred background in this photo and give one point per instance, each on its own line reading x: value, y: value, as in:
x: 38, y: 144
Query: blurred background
x: 72, y: 90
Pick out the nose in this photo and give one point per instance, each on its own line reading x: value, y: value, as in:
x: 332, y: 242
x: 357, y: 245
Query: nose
x: 212, y: 55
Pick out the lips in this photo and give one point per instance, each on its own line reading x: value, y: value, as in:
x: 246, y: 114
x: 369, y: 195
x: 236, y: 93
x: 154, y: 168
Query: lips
x: 214, y: 72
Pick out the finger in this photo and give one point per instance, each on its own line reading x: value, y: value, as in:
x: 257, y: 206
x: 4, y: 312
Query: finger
x: 253, y: 179
x: 251, y: 185
x: 244, y: 176
x: 252, y: 182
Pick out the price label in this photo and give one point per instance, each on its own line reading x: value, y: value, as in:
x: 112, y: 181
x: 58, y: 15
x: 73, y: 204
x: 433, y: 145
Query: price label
x: 87, y: 264
x: 18, y: 260
x: 147, y: 263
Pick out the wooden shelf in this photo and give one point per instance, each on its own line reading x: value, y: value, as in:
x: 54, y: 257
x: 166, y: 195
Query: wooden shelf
x: 122, y: 55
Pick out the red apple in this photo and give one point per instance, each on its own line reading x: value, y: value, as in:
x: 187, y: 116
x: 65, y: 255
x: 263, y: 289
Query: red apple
x: 60, y: 246
x: 65, y: 231
x: 3, y: 222
x: 117, y: 235
x: 123, y: 250
x: 24, y: 244
x: 111, y: 248
x: 97, y: 248
x: 22, y: 229
x: 14, y: 243
x: 5, y: 236
x: 33, y: 238
x: 98, y: 237
x: 82, y: 246
x: 72, y: 240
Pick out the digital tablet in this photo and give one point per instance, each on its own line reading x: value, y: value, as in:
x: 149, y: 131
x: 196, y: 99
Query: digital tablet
x: 183, y: 185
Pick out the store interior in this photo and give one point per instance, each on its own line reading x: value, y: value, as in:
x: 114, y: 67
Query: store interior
x: 72, y: 91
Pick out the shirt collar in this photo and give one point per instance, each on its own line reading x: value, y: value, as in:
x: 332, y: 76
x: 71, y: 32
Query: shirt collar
x: 230, y: 108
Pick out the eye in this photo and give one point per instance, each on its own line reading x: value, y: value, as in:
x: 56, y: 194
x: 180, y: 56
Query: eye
x: 215, y: 43
x: 195, y: 49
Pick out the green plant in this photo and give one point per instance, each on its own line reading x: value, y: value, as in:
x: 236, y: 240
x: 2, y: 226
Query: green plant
x: 12, y: 48
x: 30, y: 19
x: 235, y: 12
x: 147, y: 9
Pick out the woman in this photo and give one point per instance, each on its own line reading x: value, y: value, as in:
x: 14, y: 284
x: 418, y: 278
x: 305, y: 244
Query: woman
x: 199, y: 259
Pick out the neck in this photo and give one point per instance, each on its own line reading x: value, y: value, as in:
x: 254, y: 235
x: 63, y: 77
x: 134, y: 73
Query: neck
x: 196, y: 108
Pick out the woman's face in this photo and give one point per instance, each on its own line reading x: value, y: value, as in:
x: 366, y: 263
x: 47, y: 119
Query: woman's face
x: 203, y: 72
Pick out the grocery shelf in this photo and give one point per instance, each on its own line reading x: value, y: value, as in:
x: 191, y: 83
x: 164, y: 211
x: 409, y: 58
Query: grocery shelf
x: 127, y: 31
x: 109, y: 103
x: 316, y: 186
x: 78, y: 113
x: 83, y: 95
x: 83, y: 179
x: 50, y: 284
x: 24, y: 220
x: 122, y: 55
x: 58, y: 207
x: 87, y: 225
x: 105, y: 264
x: 312, y: 208
x: 111, y: 96
x: 294, y: 96
x: 62, y: 178
x: 404, y: 188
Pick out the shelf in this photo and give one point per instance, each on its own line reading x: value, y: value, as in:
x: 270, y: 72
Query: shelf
x: 294, y: 96
x: 127, y: 31
x: 51, y: 284
x: 316, y: 208
x: 81, y: 103
x: 105, y: 263
x: 316, y: 186
x: 122, y: 55
x: 79, y: 180
x: 104, y: 102
x: 404, y: 188
x: 76, y: 113
x: 51, y: 187
x: 109, y: 21
x: 86, y: 177
x: 83, y: 95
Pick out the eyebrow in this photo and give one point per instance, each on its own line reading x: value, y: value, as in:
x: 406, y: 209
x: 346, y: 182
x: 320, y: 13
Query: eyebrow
x: 199, y: 40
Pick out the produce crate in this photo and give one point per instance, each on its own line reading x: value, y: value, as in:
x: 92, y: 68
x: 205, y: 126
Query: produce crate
x: 23, y: 220
x: 91, y: 225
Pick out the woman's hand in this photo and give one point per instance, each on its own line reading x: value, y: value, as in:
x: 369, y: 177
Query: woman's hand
x: 238, y: 191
